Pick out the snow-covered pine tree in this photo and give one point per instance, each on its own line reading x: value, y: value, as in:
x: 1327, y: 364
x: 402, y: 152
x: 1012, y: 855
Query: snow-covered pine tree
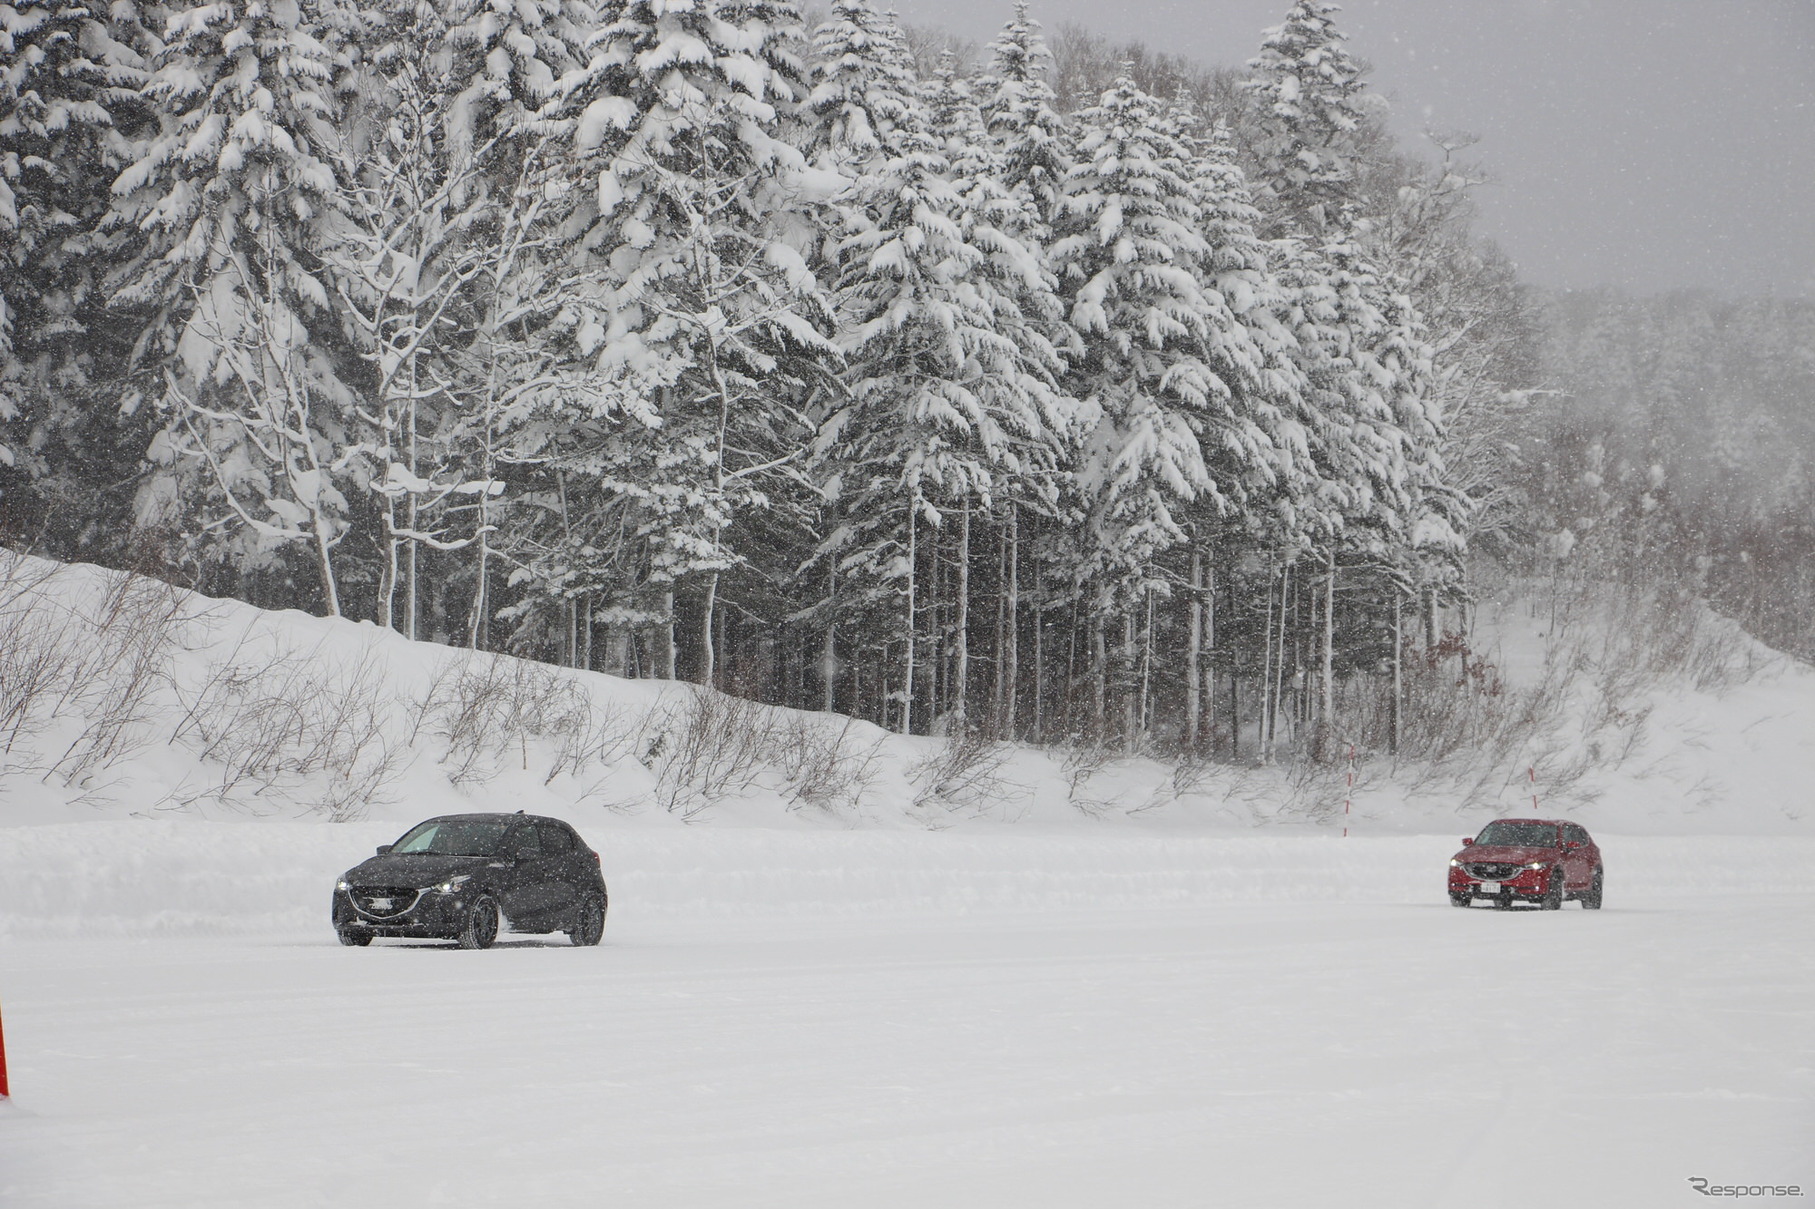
x: 237, y: 201
x: 1006, y: 228
x: 950, y: 397
x: 700, y: 331
x: 861, y: 89
x: 1279, y: 519
x: 1311, y: 111
x: 1184, y: 393
x: 1020, y: 116
x: 69, y: 108
x: 504, y: 60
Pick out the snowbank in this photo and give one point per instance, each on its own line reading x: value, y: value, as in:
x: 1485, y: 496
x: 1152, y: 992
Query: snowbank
x: 122, y: 698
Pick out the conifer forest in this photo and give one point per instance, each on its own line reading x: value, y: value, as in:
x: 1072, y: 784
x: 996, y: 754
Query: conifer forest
x: 1053, y: 389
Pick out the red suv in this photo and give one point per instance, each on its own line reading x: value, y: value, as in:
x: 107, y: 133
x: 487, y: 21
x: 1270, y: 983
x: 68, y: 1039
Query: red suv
x: 1542, y: 861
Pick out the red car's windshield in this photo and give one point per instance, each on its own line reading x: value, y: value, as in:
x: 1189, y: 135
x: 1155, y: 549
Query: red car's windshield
x: 1519, y: 835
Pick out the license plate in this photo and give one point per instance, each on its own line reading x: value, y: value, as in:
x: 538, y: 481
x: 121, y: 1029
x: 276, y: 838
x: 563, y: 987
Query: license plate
x: 1489, y: 887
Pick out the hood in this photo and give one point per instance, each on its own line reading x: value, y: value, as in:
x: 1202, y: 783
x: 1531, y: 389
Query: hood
x: 415, y: 871
x: 1504, y: 854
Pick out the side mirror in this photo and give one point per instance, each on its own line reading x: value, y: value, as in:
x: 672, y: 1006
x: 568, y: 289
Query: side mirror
x: 1468, y: 841
x: 1572, y: 845
x: 383, y: 848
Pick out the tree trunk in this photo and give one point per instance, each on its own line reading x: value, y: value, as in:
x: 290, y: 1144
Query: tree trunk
x: 1128, y: 677
x: 1099, y: 672
x: 961, y: 646
x: 1011, y: 656
x: 1262, y: 740
x: 1398, y: 673
x: 586, y: 632
x: 330, y: 590
x: 1039, y: 731
x: 1285, y: 587
x: 1194, y: 653
x: 1326, y: 709
x: 664, y: 638
x: 1209, y: 653
x: 708, y: 659
x: 478, y: 627
x: 1146, y: 712
x: 907, y: 661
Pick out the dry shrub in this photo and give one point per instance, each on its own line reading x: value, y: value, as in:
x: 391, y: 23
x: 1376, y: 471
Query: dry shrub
x: 709, y: 747
x: 292, y: 729
x: 100, y: 663
x: 964, y: 772
x: 829, y: 766
x: 488, y: 710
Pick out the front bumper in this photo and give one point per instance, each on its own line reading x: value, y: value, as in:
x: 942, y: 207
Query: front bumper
x: 432, y: 916
x: 1530, y: 885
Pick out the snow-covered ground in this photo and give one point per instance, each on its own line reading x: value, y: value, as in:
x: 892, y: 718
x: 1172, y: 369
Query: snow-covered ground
x: 820, y: 1019
x: 846, y: 968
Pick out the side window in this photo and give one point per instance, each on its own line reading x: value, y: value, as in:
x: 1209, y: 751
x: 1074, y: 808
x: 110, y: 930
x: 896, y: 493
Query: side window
x: 523, y: 844
x: 555, y: 839
x: 1574, y: 834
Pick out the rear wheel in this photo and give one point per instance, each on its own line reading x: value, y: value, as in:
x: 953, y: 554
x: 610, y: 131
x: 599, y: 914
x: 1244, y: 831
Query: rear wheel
x: 481, y: 925
x: 589, y: 923
x: 1592, y: 899
x: 353, y: 939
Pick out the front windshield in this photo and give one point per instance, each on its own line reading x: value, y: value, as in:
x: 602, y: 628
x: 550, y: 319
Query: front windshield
x: 1519, y: 835
x: 452, y: 837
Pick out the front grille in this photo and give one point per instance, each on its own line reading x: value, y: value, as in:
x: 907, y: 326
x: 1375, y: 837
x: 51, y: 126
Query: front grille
x: 1492, y: 871
x: 384, y: 902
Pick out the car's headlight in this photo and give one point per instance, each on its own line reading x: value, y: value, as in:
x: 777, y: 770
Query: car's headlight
x: 453, y: 883
x: 1539, y: 865
x: 1455, y: 864
x: 343, y: 884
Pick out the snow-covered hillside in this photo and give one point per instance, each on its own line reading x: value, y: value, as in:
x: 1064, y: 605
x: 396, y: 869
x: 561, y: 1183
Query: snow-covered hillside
x: 124, y: 698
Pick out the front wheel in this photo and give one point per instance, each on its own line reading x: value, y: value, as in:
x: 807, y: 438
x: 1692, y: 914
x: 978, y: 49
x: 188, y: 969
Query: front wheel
x: 1553, y: 892
x: 589, y: 923
x: 353, y: 939
x: 1592, y: 900
x: 1460, y: 900
x: 481, y: 925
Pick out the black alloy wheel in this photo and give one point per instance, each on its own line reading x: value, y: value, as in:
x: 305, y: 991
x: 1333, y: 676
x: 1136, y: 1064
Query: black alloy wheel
x: 481, y: 925
x: 1591, y: 901
x: 589, y: 922
x: 353, y: 939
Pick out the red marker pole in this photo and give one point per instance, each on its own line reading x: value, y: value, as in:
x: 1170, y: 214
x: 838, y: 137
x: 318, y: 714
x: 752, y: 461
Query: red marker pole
x: 3, y: 1092
x: 1533, y: 774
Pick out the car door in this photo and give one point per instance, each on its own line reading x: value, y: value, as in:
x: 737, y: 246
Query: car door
x: 562, y: 856
x: 1578, y: 857
x: 526, y: 895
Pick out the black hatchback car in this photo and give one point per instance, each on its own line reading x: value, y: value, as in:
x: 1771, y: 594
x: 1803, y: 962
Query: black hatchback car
x: 462, y: 877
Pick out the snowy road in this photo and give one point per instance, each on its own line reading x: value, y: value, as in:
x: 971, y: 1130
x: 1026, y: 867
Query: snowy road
x: 1389, y: 1053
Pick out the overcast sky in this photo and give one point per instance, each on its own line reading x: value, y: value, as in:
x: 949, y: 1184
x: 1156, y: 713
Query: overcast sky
x: 1645, y: 144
